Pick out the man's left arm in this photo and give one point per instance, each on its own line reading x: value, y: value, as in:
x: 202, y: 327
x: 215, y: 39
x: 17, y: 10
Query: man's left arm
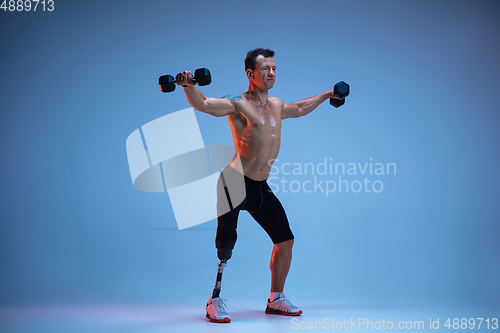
x: 305, y: 106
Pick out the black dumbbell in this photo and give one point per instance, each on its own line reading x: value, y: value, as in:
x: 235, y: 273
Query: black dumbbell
x: 340, y: 90
x: 201, y: 76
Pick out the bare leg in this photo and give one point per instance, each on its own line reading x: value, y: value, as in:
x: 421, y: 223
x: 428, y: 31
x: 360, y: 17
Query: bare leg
x: 280, y: 264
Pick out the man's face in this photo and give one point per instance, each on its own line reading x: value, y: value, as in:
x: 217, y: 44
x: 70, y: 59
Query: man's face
x: 264, y: 74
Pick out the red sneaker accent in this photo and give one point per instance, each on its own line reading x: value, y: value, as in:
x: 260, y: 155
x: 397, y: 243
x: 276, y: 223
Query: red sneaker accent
x: 225, y: 320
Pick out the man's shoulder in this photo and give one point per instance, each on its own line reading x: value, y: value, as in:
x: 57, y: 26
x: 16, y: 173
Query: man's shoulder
x: 276, y: 100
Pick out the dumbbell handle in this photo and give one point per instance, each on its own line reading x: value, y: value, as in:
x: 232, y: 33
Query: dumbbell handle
x: 193, y: 81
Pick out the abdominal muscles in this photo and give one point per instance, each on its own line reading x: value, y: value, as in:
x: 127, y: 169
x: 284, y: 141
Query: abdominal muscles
x: 258, y: 146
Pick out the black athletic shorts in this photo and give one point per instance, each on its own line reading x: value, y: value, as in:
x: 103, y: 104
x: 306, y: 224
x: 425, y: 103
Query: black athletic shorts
x: 257, y: 198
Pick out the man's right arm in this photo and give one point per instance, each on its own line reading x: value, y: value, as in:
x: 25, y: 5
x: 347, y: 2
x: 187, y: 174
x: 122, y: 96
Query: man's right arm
x: 217, y: 107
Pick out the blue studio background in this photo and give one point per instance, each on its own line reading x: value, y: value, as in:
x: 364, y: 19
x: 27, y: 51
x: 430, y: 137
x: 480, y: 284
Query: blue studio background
x: 75, y: 82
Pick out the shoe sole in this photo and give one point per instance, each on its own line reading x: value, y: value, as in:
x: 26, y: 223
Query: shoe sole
x: 224, y: 320
x: 282, y: 313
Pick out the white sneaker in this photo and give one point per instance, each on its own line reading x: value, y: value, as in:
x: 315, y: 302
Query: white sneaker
x: 216, y: 310
x: 282, y: 306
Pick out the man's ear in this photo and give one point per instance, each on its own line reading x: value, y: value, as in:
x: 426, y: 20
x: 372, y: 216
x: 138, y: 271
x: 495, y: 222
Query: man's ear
x: 249, y: 74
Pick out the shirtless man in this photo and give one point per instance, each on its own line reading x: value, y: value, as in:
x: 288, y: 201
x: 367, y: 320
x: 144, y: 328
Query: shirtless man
x: 255, y: 121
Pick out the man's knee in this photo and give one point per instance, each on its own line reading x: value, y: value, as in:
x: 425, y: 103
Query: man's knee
x: 284, y: 246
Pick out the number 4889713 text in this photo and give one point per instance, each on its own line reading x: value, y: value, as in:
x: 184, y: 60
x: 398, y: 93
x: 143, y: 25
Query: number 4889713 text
x: 27, y: 5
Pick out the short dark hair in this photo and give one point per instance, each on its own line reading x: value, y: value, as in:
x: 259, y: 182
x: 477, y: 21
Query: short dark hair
x: 253, y: 54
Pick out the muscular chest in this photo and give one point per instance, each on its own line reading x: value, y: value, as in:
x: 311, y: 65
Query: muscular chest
x: 260, y: 120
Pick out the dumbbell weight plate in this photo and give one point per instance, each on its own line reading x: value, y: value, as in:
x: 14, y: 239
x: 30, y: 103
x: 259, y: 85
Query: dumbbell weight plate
x: 202, y: 76
x: 166, y: 83
x: 340, y: 90
x: 337, y: 102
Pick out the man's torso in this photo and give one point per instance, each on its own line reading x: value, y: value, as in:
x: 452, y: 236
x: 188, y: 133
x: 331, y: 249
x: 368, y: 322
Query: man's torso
x: 256, y: 133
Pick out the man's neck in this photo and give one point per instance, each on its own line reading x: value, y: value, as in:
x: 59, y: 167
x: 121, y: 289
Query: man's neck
x: 257, y: 94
